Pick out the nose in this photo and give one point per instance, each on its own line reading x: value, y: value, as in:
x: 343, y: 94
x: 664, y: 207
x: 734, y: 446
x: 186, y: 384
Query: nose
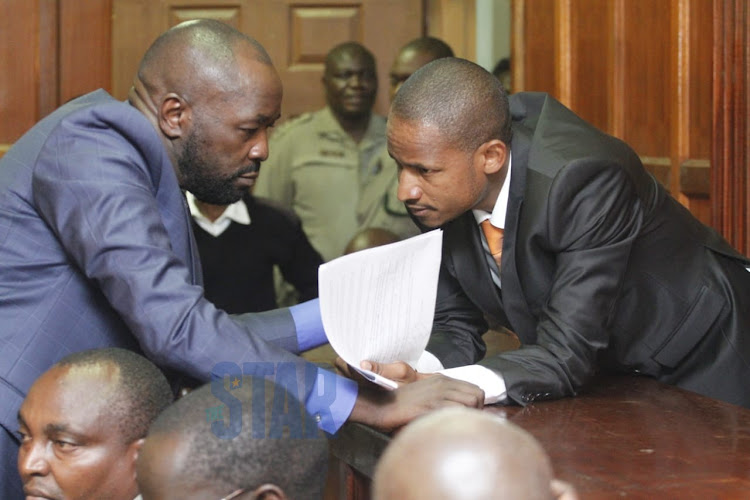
x: 32, y: 460
x: 357, y: 80
x: 408, y: 186
x: 259, y: 150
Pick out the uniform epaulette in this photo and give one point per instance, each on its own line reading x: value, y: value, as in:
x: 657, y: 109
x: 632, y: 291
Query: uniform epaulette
x: 291, y: 123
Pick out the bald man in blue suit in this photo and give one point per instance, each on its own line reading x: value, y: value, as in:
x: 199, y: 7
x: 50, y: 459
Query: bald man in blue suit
x: 97, y: 248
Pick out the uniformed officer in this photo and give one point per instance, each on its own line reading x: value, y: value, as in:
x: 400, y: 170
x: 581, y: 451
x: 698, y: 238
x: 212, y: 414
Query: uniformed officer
x: 318, y: 161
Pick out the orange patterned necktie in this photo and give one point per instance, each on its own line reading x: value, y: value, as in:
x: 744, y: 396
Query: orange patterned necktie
x: 494, y: 237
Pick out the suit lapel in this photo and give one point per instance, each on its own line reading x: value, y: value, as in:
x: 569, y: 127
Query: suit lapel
x: 514, y: 301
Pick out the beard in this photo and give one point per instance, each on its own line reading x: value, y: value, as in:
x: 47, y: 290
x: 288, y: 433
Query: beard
x: 198, y: 175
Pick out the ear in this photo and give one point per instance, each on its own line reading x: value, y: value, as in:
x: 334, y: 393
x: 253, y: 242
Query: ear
x: 268, y: 492
x: 134, y: 449
x: 174, y: 114
x: 493, y: 156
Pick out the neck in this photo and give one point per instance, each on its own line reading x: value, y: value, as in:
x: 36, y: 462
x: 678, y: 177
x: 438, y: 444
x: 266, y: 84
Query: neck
x: 141, y: 99
x: 496, y: 182
x: 211, y: 212
x: 356, y: 128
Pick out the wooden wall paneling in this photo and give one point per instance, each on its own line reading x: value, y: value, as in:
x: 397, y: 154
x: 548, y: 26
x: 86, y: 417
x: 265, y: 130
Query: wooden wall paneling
x: 85, y: 45
x: 135, y: 25
x: 454, y: 21
x: 691, y: 143
x: 28, y: 62
x: 534, y: 46
x: 647, y: 84
x: 48, y: 76
x: 731, y: 108
x: 589, y: 61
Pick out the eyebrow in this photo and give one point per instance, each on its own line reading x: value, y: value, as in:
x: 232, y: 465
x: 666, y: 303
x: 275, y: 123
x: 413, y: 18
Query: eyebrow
x: 57, y: 428
x: 264, y: 119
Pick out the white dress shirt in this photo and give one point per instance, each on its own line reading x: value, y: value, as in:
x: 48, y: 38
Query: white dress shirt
x: 492, y: 383
x: 236, y: 212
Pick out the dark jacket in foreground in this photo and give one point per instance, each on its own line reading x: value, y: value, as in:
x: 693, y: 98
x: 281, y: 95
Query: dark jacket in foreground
x: 601, y: 269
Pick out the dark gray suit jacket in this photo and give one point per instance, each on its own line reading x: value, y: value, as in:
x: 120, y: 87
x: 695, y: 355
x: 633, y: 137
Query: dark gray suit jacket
x: 601, y: 268
x: 96, y: 249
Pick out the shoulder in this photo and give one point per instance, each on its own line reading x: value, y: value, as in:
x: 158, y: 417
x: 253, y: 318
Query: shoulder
x: 295, y: 125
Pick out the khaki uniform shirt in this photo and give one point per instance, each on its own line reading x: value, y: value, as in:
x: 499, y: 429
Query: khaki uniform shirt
x: 379, y: 205
x: 318, y: 171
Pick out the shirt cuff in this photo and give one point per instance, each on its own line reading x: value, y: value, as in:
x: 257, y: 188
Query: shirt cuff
x: 492, y: 383
x: 309, y: 325
x: 331, y: 400
x: 428, y: 363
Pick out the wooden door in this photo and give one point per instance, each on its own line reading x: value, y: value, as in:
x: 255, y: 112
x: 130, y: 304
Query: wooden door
x: 638, y: 69
x: 296, y: 33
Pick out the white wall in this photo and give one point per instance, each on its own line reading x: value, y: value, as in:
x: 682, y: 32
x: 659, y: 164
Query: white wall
x: 493, y: 31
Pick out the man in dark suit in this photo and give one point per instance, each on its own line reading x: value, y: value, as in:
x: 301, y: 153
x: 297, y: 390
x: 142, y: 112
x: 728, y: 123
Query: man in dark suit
x: 599, y: 267
x: 96, y: 245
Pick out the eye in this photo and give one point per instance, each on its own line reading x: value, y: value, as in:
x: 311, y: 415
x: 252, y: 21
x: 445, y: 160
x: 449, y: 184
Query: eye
x: 249, y: 131
x: 63, y: 445
x: 23, y: 436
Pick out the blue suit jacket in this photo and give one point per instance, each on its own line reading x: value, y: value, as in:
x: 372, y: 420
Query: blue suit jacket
x: 97, y: 250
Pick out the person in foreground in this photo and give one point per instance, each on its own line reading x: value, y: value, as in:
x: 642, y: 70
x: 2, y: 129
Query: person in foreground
x: 267, y: 453
x: 466, y: 454
x: 96, y: 244
x: 83, y: 423
x: 598, y: 268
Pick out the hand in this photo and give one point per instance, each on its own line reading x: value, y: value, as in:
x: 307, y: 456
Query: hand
x: 399, y: 371
x: 387, y: 410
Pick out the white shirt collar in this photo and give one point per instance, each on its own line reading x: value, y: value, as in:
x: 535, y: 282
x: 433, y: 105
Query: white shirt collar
x: 236, y: 212
x: 497, y: 217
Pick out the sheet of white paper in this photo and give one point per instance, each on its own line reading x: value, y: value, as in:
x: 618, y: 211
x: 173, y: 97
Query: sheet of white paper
x: 379, y: 304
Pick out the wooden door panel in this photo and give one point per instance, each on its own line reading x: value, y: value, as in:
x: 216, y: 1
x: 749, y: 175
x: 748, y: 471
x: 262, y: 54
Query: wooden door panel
x: 634, y: 68
x: 297, y: 35
x: 21, y: 87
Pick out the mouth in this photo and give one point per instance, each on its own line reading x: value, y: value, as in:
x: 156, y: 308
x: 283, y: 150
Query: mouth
x: 34, y: 494
x: 418, y: 210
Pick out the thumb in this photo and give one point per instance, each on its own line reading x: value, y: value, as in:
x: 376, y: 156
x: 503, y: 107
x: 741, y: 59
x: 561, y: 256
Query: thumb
x: 370, y: 366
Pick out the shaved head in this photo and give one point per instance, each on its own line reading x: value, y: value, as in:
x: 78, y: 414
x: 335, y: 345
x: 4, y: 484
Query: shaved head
x: 461, y: 453
x: 196, y: 55
x: 211, y: 93
x: 461, y: 99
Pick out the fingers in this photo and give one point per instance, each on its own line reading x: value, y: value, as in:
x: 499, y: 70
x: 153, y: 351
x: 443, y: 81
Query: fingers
x: 457, y: 391
x: 399, y: 371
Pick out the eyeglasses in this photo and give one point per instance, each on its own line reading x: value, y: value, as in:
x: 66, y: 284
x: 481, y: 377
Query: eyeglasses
x: 234, y: 494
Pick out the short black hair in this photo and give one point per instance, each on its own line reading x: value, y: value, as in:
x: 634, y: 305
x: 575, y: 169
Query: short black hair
x: 468, y: 103
x: 501, y: 67
x: 435, y: 47
x: 204, y: 42
x: 297, y: 465
x: 353, y: 48
x: 142, y: 393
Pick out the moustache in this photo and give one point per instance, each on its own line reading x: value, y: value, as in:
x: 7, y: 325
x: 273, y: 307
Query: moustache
x: 250, y: 169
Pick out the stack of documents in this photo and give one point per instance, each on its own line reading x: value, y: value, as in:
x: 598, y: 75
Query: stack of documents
x: 379, y: 304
